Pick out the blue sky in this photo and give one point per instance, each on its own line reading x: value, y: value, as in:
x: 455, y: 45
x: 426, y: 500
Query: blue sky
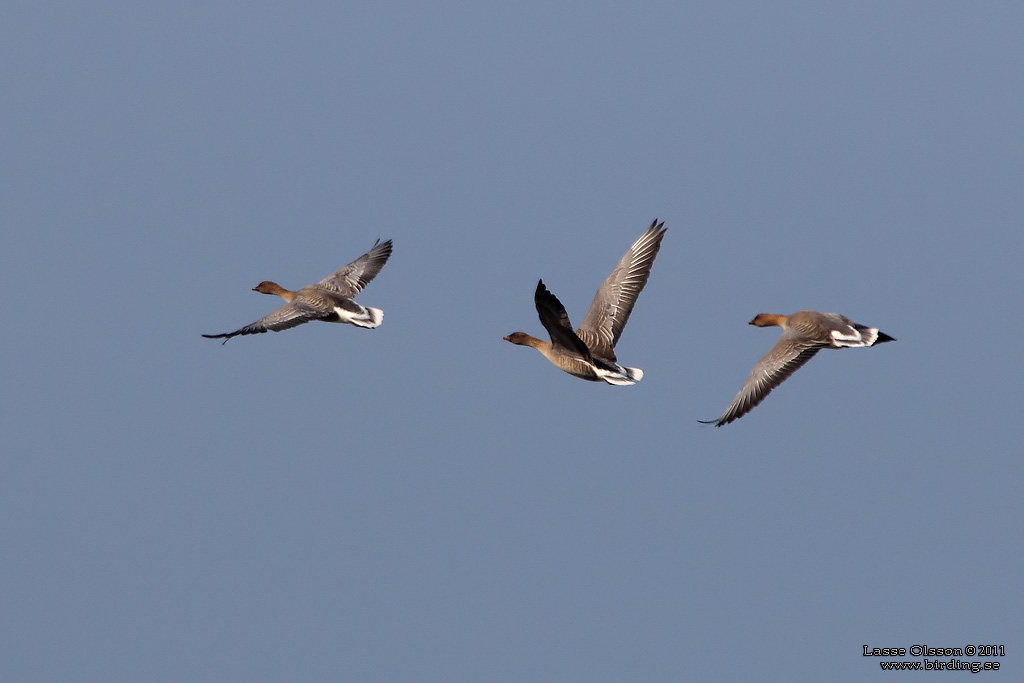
x: 425, y: 501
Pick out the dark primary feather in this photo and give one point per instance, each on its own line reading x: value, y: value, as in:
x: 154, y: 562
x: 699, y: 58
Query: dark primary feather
x: 556, y: 321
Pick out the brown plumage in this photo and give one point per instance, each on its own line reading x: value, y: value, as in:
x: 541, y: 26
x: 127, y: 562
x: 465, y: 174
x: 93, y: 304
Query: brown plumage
x: 589, y: 352
x: 803, y: 334
x: 330, y: 300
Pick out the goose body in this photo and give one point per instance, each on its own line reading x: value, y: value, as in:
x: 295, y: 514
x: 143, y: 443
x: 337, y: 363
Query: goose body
x: 329, y: 300
x: 803, y: 334
x: 589, y: 351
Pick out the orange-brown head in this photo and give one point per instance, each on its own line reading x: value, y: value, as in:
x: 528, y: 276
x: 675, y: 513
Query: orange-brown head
x: 768, y: 319
x: 522, y: 339
x: 268, y: 287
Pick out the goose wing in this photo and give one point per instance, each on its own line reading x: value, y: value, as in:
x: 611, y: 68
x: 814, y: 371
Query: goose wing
x: 287, y: 316
x: 351, y: 279
x: 784, y: 358
x: 609, y: 312
x: 556, y: 321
